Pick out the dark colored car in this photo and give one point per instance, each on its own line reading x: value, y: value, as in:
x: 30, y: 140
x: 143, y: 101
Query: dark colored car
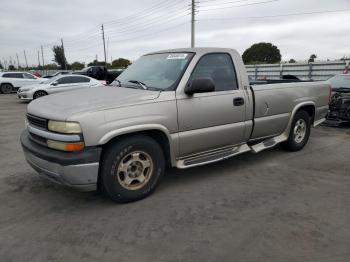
x: 339, y: 107
x: 100, y: 73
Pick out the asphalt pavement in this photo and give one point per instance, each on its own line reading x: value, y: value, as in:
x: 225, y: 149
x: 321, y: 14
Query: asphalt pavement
x: 272, y: 206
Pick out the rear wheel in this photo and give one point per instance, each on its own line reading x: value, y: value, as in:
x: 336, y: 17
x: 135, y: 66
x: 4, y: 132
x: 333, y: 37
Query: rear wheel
x: 6, y: 88
x: 39, y: 93
x: 132, y: 168
x: 299, y: 133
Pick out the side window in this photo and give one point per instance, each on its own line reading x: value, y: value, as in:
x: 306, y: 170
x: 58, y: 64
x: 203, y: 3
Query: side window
x: 13, y: 75
x: 28, y: 76
x: 219, y: 68
x: 80, y: 79
x: 65, y: 80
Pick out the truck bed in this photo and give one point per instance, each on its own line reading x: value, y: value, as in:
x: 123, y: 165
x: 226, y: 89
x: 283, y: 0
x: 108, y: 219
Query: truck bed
x: 274, y: 104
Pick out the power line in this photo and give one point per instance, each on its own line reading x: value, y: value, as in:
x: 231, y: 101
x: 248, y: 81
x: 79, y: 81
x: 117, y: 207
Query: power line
x: 256, y: 3
x: 275, y: 16
x: 223, y: 3
x: 136, y: 16
x: 151, y: 34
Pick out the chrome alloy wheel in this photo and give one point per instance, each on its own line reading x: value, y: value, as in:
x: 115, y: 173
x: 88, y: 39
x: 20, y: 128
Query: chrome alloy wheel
x: 135, y: 170
x: 299, y: 131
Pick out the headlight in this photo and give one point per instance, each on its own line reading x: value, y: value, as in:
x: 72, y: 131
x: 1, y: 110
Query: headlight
x: 71, y: 147
x: 64, y: 127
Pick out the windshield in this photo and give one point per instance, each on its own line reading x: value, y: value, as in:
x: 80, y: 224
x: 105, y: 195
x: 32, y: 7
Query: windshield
x: 156, y: 71
x: 340, y: 81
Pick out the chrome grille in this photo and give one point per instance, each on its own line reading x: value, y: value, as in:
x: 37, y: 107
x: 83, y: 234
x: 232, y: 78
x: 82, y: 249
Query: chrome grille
x: 37, y: 121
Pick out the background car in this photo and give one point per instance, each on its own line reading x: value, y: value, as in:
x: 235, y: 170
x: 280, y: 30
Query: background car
x: 340, y: 81
x: 57, y: 74
x: 339, y: 106
x: 61, y: 83
x: 11, y: 81
x: 100, y: 73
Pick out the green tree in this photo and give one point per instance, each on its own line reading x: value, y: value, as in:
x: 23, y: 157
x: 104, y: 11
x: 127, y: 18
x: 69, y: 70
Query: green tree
x: 121, y: 63
x: 262, y: 53
x: 1, y: 67
x: 12, y: 68
x: 312, y: 58
x: 52, y: 66
x: 98, y: 63
x: 77, y: 66
x: 292, y: 61
x: 59, y: 56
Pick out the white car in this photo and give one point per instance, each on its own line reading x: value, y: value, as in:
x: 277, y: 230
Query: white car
x: 61, y: 83
x: 11, y: 81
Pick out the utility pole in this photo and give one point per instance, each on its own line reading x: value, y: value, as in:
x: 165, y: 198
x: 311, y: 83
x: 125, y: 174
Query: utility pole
x: 193, y: 10
x: 42, y: 56
x: 25, y: 58
x: 64, y: 55
x: 17, y: 61
x: 104, y: 44
x: 39, y: 58
x: 107, y: 47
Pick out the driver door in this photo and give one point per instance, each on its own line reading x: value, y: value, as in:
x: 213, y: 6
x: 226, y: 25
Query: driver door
x: 212, y: 120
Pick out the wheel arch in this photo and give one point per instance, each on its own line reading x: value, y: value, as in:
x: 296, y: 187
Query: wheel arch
x: 309, y: 107
x: 2, y: 83
x: 159, y: 133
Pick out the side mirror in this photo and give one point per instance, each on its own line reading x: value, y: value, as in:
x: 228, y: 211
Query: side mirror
x: 54, y: 83
x: 200, y: 85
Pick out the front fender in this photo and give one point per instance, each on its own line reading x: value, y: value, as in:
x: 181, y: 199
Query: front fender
x: 172, y: 138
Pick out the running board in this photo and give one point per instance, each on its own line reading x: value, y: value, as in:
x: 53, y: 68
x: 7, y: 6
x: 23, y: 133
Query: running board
x: 212, y: 156
x: 224, y: 153
x: 268, y: 143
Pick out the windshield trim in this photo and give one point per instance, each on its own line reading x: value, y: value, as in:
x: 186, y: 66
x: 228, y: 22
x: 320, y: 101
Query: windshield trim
x: 174, y: 86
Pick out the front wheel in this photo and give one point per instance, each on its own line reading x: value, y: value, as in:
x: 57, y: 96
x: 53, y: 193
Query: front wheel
x: 6, y: 88
x: 132, y: 168
x: 299, y: 133
x: 38, y: 94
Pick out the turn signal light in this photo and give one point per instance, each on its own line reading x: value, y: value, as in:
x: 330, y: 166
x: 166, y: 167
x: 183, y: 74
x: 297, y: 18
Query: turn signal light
x: 70, y: 147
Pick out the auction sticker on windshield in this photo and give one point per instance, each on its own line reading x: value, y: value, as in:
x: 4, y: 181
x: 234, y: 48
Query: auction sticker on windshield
x: 177, y: 56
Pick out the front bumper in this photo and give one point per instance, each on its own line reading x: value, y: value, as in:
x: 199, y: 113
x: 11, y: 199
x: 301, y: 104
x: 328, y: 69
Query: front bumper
x: 73, y: 169
x: 24, y: 96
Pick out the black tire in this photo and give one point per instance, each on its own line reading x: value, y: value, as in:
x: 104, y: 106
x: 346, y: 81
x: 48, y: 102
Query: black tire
x: 6, y: 88
x: 295, y: 141
x: 111, y: 179
x: 39, y: 93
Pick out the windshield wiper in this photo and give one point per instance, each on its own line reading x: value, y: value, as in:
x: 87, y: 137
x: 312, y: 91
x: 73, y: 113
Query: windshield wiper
x: 143, y: 85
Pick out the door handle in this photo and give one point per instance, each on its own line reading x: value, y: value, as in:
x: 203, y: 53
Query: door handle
x: 238, y: 101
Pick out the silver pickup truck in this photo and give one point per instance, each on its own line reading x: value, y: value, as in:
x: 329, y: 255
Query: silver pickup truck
x: 179, y: 108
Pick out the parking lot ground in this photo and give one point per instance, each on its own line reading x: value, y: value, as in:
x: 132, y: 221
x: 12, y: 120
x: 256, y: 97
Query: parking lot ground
x: 271, y: 206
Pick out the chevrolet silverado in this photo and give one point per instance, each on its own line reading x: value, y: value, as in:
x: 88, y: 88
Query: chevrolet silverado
x: 179, y: 108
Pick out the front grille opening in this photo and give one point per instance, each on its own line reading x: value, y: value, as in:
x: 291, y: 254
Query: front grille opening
x: 37, y: 121
x: 38, y: 139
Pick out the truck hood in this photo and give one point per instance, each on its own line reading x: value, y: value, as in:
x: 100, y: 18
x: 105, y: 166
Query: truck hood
x: 63, y: 105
